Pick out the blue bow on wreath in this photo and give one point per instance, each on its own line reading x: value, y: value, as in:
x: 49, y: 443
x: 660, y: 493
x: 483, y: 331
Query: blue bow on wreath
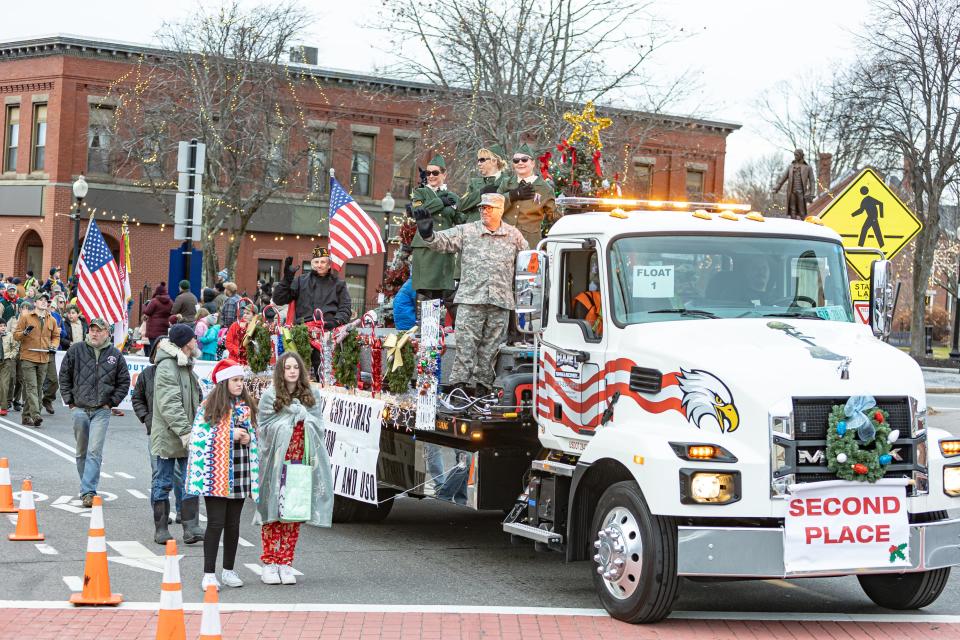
x: 856, y: 419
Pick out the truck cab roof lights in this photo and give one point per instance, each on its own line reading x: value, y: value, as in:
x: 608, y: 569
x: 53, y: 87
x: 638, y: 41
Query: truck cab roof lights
x: 814, y: 220
x: 756, y: 216
x: 606, y: 204
x: 618, y: 213
x: 729, y: 215
x: 702, y: 214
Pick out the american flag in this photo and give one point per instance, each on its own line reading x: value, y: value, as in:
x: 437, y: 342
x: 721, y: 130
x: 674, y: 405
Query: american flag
x: 100, y: 293
x: 122, y: 326
x: 352, y: 232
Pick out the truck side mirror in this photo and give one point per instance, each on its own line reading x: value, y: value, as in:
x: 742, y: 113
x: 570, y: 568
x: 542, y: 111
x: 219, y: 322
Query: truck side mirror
x: 881, y: 298
x: 531, y: 283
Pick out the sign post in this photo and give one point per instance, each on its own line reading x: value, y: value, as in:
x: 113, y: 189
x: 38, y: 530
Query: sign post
x: 868, y: 215
x: 188, y: 211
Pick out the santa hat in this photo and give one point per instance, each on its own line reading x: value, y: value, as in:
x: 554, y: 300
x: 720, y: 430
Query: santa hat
x: 225, y: 370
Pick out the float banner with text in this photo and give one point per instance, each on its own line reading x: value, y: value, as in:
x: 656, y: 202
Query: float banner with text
x: 353, y: 444
x: 847, y: 525
x: 136, y: 364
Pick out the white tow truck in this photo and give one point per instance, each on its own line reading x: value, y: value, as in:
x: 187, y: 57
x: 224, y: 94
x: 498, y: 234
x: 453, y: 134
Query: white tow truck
x: 675, y: 402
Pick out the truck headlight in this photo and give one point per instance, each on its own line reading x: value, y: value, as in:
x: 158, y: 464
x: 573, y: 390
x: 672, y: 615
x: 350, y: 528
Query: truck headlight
x: 951, y: 481
x: 709, y: 487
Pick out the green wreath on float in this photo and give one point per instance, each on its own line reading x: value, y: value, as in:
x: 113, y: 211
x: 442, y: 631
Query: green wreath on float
x: 259, y: 349
x: 346, y: 360
x: 859, y: 440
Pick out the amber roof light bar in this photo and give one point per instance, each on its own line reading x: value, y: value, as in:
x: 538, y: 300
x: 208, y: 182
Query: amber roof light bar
x: 604, y: 204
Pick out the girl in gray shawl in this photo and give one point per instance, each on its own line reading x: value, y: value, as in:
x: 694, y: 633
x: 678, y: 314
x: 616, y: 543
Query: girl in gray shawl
x: 288, y: 411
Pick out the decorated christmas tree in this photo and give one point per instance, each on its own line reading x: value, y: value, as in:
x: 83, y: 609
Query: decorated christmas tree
x: 576, y: 166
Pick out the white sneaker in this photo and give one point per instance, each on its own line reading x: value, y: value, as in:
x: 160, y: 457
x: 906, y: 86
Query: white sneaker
x: 231, y: 578
x: 209, y: 579
x: 286, y: 574
x: 270, y: 574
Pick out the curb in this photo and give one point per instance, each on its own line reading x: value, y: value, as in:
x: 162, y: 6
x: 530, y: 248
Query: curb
x: 943, y: 389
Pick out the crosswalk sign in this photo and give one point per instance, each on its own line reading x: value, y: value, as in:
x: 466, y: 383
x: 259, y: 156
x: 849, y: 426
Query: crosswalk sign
x: 867, y: 214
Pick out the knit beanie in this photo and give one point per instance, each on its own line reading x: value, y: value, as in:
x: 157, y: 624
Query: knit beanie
x: 180, y: 335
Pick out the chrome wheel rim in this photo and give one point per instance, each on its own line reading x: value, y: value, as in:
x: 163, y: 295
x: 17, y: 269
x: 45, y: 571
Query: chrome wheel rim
x: 619, y: 553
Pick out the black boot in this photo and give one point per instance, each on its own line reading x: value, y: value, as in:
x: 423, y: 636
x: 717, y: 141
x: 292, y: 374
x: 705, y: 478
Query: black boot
x: 190, y: 516
x: 161, y: 510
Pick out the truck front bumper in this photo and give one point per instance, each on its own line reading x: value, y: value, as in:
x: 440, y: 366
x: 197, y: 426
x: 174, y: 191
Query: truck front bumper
x: 720, y: 551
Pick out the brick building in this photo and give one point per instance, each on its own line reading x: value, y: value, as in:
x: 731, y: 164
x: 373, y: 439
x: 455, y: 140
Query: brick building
x: 58, y: 93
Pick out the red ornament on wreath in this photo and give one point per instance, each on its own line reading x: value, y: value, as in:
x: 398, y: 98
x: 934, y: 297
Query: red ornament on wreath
x: 860, y: 468
x: 878, y: 416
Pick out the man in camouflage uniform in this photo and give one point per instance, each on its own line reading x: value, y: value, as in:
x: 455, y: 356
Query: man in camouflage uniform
x: 530, y: 200
x: 488, y: 250
x: 433, y: 273
x: 491, y: 163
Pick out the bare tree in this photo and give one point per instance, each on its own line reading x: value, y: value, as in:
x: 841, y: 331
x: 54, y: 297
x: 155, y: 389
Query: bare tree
x: 511, y: 68
x: 221, y: 79
x: 813, y: 113
x: 753, y: 181
x: 908, y: 87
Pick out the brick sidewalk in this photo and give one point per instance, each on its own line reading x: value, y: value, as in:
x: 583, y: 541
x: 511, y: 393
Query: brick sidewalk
x: 83, y: 624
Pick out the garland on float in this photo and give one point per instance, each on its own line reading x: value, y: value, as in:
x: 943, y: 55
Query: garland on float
x: 859, y: 439
x: 346, y: 360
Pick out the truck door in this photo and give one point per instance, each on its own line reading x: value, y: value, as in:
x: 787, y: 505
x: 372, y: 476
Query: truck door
x: 570, y: 385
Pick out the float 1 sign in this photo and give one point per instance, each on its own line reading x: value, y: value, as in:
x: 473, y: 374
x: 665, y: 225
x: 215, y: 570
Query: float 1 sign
x: 868, y: 215
x: 353, y: 444
x: 839, y: 525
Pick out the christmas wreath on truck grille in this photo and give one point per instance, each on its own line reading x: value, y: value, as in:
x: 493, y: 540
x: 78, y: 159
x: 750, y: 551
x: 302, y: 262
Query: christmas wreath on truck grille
x: 858, y: 440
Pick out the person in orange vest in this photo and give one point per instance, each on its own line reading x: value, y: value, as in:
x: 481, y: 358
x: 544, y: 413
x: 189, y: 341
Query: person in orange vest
x: 587, y: 304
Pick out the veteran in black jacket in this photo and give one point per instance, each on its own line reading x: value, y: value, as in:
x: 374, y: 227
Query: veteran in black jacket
x: 93, y: 379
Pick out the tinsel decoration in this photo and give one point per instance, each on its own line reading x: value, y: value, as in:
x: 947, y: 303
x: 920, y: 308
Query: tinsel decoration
x: 587, y: 117
x: 259, y: 349
x: 370, y: 340
x: 394, y: 278
x: 853, y: 451
x: 346, y: 360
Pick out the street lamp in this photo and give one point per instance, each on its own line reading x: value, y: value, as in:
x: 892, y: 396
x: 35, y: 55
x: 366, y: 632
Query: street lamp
x: 79, y: 192
x: 386, y: 205
x: 954, y: 344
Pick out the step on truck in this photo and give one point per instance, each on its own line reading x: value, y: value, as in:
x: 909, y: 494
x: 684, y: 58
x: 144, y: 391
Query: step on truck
x: 673, y: 416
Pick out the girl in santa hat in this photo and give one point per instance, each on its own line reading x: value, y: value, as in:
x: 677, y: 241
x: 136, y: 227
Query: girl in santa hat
x: 290, y: 413
x: 224, y: 466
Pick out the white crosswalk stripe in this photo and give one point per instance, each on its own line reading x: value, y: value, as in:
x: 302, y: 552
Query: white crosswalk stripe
x: 121, y: 474
x: 46, y: 549
x: 137, y: 494
x: 74, y: 583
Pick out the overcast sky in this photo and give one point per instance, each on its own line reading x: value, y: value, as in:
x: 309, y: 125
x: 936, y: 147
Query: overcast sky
x: 739, y: 48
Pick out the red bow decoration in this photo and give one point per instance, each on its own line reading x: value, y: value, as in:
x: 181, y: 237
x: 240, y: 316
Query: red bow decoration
x: 563, y: 147
x: 596, y: 163
x: 545, y: 165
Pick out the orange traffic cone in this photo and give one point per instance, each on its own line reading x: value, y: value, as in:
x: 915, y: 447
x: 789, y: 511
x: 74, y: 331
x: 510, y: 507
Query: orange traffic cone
x: 6, y: 490
x: 170, y: 625
x: 210, y: 622
x: 26, y: 516
x: 96, y: 577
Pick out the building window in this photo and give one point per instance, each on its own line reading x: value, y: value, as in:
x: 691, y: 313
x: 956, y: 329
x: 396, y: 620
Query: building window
x: 642, y: 182
x: 694, y: 185
x: 404, y: 167
x: 355, y: 276
x: 361, y: 170
x: 268, y: 270
x: 39, y: 136
x: 318, y: 163
x: 13, y: 138
x: 99, y: 134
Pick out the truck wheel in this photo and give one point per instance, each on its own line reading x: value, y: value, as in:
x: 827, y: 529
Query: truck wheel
x: 344, y: 509
x: 904, y: 591
x: 635, y: 566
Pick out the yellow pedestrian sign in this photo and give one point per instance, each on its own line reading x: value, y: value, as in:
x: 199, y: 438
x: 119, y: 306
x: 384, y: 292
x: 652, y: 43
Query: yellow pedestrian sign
x: 867, y: 214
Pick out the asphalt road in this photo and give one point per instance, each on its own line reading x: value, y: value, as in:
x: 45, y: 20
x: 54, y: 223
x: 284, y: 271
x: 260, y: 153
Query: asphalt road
x: 425, y: 553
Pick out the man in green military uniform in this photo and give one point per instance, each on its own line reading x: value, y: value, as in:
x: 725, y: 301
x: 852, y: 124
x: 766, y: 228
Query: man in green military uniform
x: 530, y: 200
x: 490, y: 165
x: 432, y: 272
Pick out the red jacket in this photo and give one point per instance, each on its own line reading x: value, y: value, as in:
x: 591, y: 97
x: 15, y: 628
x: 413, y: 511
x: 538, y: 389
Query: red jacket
x: 234, y: 342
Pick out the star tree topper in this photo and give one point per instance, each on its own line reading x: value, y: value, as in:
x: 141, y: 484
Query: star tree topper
x: 587, y: 116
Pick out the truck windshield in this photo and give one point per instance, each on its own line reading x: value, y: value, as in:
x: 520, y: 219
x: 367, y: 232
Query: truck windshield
x: 667, y: 278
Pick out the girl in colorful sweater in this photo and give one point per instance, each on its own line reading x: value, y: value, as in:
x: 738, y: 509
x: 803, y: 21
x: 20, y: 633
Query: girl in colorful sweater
x: 224, y: 467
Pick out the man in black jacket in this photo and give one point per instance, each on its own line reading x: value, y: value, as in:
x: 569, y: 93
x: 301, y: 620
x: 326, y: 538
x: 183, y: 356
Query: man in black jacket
x: 320, y: 290
x: 93, y: 379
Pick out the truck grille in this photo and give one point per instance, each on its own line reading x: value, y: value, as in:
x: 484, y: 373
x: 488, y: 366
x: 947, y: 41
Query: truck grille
x: 810, y: 415
x: 810, y: 422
